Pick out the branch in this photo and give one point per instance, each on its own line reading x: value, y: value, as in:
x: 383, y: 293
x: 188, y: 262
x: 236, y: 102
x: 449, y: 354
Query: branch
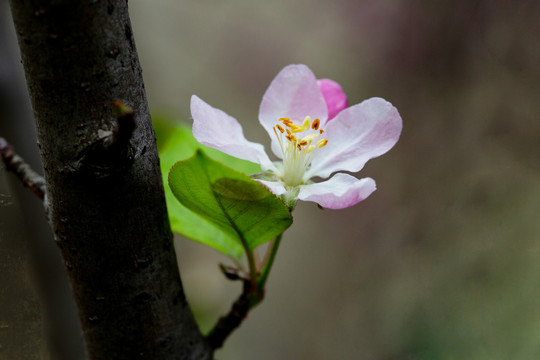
x: 249, y: 298
x: 252, y: 294
x: 106, y: 200
x: 21, y: 169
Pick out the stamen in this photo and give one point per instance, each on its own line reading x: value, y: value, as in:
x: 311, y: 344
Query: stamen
x: 279, y: 139
x: 322, y: 143
x: 310, y: 137
x: 291, y: 138
x: 298, y: 151
x: 305, y: 124
x: 296, y: 129
x: 287, y: 122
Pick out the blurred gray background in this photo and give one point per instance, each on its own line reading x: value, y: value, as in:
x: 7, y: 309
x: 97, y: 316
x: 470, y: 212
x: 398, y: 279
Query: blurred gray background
x: 441, y: 262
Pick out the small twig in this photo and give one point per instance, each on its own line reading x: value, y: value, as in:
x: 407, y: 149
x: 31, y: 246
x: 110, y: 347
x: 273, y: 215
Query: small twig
x: 21, y: 169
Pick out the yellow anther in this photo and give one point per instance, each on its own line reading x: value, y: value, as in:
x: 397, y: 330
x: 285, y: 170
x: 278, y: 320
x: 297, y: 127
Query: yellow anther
x: 287, y: 122
x: 322, y: 143
x: 310, y: 137
x: 291, y: 138
x: 305, y: 124
x: 297, y: 150
x: 296, y: 128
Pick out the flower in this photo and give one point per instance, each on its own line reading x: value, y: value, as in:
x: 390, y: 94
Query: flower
x: 313, y: 132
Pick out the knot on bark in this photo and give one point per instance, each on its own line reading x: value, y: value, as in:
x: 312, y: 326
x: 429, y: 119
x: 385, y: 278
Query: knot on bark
x: 112, y: 152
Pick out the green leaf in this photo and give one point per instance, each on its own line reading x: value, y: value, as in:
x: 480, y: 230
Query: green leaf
x: 240, y: 207
x: 178, y: 143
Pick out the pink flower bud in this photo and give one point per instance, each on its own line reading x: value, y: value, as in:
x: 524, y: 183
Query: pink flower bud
x: 333, y: 94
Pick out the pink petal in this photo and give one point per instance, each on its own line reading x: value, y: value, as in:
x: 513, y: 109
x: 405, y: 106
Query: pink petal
x: 214, y: 128
x: 357, y: 134
x: 339, y: 192
x: 293, y: 94
x: 333, y: 94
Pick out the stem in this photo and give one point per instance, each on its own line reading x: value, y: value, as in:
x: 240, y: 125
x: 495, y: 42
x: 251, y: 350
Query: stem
x: 269, y: 262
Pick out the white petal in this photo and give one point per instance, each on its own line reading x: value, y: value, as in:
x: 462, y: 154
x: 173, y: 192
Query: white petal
x: 274, y: 186
x: 357, y: 134
x: 293, y: 94
x: 214, y: 128
x: 339, y: 192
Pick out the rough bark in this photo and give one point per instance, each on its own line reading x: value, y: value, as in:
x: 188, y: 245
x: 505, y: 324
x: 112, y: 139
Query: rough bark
x: 104, y: 197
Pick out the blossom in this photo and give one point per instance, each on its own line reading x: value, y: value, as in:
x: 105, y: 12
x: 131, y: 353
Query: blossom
x: 315, y: 134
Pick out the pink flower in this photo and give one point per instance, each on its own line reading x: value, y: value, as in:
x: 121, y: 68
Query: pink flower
x: 296, y: 111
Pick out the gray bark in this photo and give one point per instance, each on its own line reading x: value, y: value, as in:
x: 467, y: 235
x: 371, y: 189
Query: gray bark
x: 105, y: 199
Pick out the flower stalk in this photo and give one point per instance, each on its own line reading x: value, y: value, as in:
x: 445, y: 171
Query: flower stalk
x: 269, y: 261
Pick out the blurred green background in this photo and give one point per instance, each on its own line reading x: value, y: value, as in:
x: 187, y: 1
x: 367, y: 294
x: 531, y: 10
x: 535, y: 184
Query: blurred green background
x: 441, y: 262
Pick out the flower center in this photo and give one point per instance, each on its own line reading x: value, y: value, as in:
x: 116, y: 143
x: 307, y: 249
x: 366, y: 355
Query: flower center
x: 298, y: 145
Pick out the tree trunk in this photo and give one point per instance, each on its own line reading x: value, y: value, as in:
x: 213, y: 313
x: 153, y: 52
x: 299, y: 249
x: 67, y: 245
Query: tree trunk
x: 105, y: 199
